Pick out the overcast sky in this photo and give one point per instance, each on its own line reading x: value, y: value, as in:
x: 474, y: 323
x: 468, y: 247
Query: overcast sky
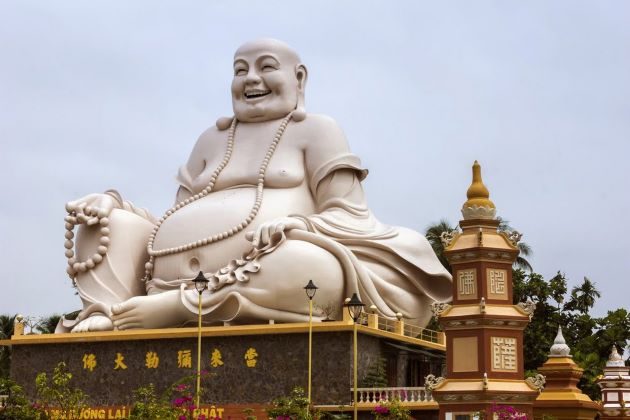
x: 113, y: 94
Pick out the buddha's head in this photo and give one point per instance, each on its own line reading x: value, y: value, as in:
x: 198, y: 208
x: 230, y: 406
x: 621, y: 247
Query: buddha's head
x: 269, y: 81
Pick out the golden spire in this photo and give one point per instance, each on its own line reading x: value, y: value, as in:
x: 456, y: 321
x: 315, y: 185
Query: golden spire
x: 478, y: 205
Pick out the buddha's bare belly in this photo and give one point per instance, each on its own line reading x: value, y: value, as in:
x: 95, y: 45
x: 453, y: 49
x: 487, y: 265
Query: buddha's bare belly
x: 218, y: 212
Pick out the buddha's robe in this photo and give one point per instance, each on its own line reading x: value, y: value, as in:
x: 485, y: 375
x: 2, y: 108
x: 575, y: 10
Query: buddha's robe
x: 393, y: 268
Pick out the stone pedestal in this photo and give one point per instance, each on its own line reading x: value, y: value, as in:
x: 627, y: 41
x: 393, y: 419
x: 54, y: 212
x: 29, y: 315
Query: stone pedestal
x: 245, y: 365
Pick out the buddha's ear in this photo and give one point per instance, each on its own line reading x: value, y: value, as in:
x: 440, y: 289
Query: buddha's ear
x: 300, y: 111
x: 301, y: 74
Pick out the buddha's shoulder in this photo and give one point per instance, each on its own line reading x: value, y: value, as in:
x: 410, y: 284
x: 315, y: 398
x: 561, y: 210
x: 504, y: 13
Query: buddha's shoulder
x: 319, y: 125
x: 210, y: 137
x: 321, y: 121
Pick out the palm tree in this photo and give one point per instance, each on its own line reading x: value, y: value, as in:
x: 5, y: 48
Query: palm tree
x: 6, y: 326
x: 47, y: 324
x: 434, y: 235
x: 524, y: 249
x: 6, y: 331
x: 583, y: 297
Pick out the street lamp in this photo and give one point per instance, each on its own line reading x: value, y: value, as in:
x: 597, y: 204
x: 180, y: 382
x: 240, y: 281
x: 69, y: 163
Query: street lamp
x: 355, y: 308
x: 310, y: 290
x: 201, y: 284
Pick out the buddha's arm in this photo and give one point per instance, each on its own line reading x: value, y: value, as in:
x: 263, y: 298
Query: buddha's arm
x: 334, y: 179
x: 92, y: 207
x: 206, y: 147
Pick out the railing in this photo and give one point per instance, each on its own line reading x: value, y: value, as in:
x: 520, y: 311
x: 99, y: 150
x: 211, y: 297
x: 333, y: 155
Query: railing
x: 388, y: 325
x: 404, y: 394
x: 422, y: 333
x: 363, y: 319
x: 401, y: 327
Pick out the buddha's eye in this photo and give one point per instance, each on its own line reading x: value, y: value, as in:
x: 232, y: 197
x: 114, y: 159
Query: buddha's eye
x: 240, y: 72
x: 268, y: 67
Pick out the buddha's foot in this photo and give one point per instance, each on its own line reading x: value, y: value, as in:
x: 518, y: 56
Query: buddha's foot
x: 154, y: 311
x: 94, y: 323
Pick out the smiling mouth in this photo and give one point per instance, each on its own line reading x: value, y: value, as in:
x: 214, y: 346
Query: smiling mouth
x: 254, y: 94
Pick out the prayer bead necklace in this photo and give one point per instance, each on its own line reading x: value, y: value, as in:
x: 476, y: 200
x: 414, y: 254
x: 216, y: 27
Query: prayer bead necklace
x: 229, y: 232
x: 74, y: 265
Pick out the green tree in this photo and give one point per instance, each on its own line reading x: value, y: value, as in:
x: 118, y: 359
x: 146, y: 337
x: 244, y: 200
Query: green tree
x: 376, y: 376
x: 47, y: 324
x: 6, y: 331
x: 524, y: 249
x: 56, y: 393
x: 583, y: 297
x: 540, y: 333
x: 433, y: 234
x: 295, y: 406
x: 17, y: 405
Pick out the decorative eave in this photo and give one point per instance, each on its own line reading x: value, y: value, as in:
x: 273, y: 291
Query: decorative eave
x: 480, y: 238
x: 484, y: 389
x: 484, y: 315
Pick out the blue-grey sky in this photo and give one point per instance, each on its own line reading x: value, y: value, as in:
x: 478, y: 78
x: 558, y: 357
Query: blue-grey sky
x: 113, y: 94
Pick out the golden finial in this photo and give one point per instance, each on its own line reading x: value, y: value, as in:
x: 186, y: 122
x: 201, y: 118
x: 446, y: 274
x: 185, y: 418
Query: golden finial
x: 478, y: 205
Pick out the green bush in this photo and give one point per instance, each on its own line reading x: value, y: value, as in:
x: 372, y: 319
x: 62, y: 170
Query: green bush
x: 293, y: 407
x: 56, y: 394
x: 17, y: 406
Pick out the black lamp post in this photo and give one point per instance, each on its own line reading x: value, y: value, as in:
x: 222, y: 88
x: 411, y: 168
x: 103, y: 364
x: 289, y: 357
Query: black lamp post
x: 310, y: 290
x: 201, y: 284
x: 355, y: 308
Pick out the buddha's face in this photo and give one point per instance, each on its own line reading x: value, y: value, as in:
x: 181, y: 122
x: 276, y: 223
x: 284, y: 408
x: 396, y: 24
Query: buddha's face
x: 267, y: 81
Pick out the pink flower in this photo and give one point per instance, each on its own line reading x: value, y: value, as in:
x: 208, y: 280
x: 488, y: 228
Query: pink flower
x: 381, y: 410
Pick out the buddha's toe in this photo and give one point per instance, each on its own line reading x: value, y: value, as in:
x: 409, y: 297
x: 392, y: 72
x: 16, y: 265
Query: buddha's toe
x: 94, y: 323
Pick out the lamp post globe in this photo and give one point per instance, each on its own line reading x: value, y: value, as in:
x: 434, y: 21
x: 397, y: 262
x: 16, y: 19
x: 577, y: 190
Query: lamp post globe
x: 201, y: 282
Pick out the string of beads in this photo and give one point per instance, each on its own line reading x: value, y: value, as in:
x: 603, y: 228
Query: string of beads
x: 229, y: 232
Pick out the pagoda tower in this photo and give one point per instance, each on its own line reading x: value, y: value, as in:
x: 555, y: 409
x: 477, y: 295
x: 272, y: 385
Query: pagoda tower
x: 615, y: 385
x: 561, y: 398
x: 484, y: 330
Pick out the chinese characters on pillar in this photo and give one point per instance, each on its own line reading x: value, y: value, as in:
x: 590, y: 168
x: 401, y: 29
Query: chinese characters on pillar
x: 504, y: 354
x: 466, y: 284
x: 497, y: 283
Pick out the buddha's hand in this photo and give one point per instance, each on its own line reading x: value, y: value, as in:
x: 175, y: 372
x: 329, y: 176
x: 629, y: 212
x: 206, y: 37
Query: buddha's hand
x: 262, y: 236
x: 92, y: 207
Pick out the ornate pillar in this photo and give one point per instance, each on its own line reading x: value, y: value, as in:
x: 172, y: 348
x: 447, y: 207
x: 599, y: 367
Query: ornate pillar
x: 484, y: 330
x: 561, y: 397
x: 615, y: 385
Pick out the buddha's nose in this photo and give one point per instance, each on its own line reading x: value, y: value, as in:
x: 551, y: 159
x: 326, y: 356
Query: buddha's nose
x: 252, y: 78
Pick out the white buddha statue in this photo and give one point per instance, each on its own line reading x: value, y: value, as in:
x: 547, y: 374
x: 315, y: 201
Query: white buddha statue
x: 268, y: 200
